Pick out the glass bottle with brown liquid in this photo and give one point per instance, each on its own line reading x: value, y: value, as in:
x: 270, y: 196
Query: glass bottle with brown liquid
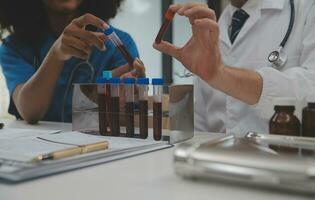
x: 308, y: 118
x: 284, y: 122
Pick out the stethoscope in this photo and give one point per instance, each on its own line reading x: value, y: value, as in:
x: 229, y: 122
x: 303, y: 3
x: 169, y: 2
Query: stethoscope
x: 279, y: 58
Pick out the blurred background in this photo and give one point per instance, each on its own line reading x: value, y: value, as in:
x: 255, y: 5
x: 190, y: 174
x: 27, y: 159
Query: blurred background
x: 142, y: 19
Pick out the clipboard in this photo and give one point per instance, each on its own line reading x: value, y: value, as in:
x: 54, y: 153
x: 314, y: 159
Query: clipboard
x: 20, y: 170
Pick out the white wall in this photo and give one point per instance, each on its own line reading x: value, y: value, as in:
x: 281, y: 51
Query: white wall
x: 182, y: 33
x: 4, y: 96
x: 142, y: 19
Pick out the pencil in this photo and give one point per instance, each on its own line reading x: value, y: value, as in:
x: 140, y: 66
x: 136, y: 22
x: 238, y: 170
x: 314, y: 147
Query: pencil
x: 72, y: 152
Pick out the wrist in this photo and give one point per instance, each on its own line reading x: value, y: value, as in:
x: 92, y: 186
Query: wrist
x: 56, y: 52
x: 217, y: 74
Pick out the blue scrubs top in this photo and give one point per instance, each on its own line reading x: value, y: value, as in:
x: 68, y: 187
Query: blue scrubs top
x: 17, y: 69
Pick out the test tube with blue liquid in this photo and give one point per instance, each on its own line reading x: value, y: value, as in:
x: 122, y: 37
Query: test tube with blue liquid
x: 157, y: 107
x: 113, y: 37
x: 115, y: 122
x: 143, y: 106
x: 129, y: 105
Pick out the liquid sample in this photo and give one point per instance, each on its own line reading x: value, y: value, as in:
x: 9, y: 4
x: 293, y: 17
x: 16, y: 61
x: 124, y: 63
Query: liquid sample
x: 115, y: 125
x: 308, y: 121
x: 108, y: 108
x: 126, y: 55
x: 143, y: 105
x: 102, y: 114
x: 284, y: 122
x: 169, y: 15
x: 157, y: 121
x: 129, y: 113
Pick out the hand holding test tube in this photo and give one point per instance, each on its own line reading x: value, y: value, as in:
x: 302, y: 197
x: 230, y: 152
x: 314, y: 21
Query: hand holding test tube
x: 135, y: 66
x: 113, y: 37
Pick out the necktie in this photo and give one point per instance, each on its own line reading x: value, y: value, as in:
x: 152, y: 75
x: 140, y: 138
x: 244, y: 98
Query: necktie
x: 238, y: 20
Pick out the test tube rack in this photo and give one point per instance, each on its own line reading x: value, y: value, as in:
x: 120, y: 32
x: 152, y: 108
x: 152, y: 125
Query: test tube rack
x: 177, y: 109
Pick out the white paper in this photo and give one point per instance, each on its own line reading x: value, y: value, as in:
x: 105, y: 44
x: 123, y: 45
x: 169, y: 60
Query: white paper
x: 15, y: 133
x: 24, y: 145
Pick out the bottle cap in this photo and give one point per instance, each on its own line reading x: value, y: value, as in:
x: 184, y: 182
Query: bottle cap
x: 129, y: 81
x: 100, y: 80
x: 115, y: 80
x: 284, y: 101
x: 157, y: 81
x: 143, y: 81
x: 107, y: 75
x: 310, y: 98
x: 109, y: 30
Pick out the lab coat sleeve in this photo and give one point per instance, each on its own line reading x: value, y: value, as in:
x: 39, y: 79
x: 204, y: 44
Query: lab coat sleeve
x: 296, y: 82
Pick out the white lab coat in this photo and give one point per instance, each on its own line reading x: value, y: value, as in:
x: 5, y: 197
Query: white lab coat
x: 262, y: 33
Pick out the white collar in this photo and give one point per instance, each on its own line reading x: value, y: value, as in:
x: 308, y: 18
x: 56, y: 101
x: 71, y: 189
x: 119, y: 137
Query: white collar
x: 251, y: 5
x: 272, y: 4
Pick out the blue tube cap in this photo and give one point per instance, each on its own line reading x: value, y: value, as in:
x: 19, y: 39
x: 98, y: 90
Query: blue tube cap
x: 109, y: 31
x: 129, y: 80
x: 114, y: 80
x: 107, y: 75
x: 157, y: 81
x: 143, y: 81
x: 100, y: 80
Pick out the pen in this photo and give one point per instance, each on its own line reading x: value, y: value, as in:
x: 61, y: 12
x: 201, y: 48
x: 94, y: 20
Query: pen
x: 72, y: 152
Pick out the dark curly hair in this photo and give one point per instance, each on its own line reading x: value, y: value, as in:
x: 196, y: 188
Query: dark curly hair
x: 26, y: 20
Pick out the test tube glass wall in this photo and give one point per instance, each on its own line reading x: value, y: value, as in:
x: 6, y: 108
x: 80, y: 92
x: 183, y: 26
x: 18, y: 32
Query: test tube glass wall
x: 164, y: 116
x: 143, y: 106
x: 157, y: 108
x: 129, y: 106
x: 101, y: 105
x: 115, y: 111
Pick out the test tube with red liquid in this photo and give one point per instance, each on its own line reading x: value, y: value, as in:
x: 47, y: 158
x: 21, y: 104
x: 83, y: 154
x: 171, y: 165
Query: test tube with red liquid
x: 115, y: 123
x: 143, y: 106
x: 169, y: 15
x: 129, y: 106
x: 113, y: 37
x: 157, y: 108
x: 100, y: 81
x: 107, y: 75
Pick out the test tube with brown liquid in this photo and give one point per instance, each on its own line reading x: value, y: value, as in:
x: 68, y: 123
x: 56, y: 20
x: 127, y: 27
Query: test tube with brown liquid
x: 168, y: 18
x: 157, y: 108
x: 143, y: 106
x: 113, y: 37
x: 101, y: 105
x: 114, y: 114
x: 129, y: 106
x: 107, y: 75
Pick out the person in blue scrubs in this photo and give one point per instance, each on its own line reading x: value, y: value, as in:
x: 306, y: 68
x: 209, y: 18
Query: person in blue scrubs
x: 48, y: 46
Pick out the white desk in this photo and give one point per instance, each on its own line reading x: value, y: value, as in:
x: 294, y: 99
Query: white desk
x: 150, y: 176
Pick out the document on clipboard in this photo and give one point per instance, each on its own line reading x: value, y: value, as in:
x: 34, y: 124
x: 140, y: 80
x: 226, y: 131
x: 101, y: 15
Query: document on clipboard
x: 27, y: 154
